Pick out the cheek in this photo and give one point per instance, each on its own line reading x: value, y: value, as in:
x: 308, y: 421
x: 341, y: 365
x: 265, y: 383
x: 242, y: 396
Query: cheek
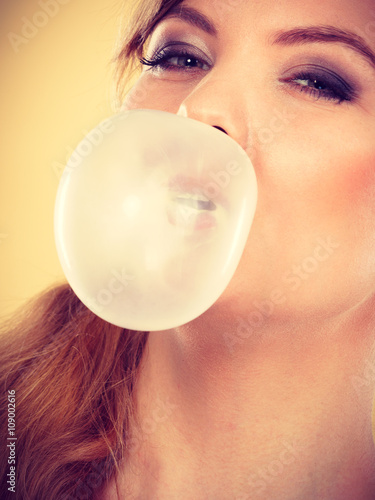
x: 344, y: 186
x: 354, y: 203
x: 354, y: 193
x: 317, y: 181
x: 329, y: 191
x: 154, y: 93
x: 326, y: 174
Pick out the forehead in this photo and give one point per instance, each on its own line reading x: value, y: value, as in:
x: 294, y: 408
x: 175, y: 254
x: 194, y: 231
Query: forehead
x: 251, y: 13
x: 238, y: 21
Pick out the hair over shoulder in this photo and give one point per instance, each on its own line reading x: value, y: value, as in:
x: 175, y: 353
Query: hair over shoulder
x: 72, y: 375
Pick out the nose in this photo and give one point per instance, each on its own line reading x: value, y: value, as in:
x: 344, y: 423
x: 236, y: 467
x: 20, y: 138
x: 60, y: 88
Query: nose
x: 214, y: 101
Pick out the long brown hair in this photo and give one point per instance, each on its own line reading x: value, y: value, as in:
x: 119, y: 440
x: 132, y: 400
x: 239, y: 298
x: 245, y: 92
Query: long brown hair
x: 71, y: 374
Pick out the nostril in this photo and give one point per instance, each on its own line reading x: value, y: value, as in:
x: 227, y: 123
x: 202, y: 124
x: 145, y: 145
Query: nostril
x: 222, y: 130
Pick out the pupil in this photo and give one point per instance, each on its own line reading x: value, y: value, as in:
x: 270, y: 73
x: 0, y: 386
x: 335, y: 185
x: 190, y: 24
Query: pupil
x: 318, y: 85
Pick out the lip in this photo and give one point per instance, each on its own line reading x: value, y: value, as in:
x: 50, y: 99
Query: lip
x: 198, y: 185
x: 195, y: 202
x: 205, y: 221
x: 190, y: 219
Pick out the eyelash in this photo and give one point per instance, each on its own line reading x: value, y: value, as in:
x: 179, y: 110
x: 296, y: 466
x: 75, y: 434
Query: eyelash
x: 334, y: 88
x: 160, y: 61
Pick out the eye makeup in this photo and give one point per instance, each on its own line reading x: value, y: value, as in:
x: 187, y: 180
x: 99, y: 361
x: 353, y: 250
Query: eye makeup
x: 178, y: 51
x: 178, y: 56
x: 320, y: 82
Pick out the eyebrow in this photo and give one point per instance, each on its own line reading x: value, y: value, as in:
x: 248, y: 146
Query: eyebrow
x: 299, y: 35
x: 193, y: 17
x: 325, y: 34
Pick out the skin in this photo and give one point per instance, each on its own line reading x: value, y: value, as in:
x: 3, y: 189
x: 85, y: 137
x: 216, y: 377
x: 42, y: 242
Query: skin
x: 281, y: 409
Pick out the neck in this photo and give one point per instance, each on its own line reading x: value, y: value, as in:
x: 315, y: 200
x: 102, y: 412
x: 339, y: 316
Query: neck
x: 234, y: 404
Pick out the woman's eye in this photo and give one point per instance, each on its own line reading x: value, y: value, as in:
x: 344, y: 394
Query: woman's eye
x: 318, y: 83
x: 176, y: 60
x: 329, y: 86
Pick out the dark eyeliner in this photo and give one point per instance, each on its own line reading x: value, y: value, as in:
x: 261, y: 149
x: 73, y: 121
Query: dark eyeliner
x: 325, y: 84
x: 160, y: 58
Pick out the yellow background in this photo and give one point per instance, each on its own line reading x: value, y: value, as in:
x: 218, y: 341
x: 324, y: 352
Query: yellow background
x: 57, y: 86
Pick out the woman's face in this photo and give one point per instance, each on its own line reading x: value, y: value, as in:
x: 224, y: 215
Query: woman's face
x: 298, y: 94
